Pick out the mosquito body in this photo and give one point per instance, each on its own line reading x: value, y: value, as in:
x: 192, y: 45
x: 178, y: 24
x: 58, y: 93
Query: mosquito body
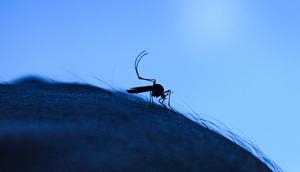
x: 156, y: 90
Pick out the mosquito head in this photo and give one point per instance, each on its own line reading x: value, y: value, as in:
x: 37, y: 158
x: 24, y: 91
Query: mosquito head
x: 165, y: 94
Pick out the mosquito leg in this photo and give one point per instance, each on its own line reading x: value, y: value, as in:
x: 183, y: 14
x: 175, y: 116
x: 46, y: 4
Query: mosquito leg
x: 151, y: 98
x: 169, y: 100
x: 137, y: 61
x: 162, y: 102
x: 168, y: 94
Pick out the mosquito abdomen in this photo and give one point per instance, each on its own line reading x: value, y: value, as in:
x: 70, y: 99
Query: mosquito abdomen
x: 140, y: 89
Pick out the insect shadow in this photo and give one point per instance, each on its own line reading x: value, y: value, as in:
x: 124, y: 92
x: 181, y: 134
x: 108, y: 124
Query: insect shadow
x: 156, y: 90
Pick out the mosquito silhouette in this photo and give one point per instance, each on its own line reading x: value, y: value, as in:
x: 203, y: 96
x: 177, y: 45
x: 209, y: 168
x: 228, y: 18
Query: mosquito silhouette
x: 156, y: 90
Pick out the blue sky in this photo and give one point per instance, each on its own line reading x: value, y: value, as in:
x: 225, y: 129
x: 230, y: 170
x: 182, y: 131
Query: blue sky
x: 236, y: 61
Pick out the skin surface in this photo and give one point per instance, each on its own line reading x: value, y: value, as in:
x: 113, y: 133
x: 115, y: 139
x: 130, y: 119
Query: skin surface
x: 74, y: 127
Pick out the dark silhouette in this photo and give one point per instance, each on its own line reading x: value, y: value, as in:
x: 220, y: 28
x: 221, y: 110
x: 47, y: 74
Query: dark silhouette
x: 156, y: 90
x: 49, y: 126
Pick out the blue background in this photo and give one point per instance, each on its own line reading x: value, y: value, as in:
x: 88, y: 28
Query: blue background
x: 236, y: 61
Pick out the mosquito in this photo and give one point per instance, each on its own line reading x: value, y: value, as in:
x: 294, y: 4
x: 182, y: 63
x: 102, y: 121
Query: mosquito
x: 156, y: 90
